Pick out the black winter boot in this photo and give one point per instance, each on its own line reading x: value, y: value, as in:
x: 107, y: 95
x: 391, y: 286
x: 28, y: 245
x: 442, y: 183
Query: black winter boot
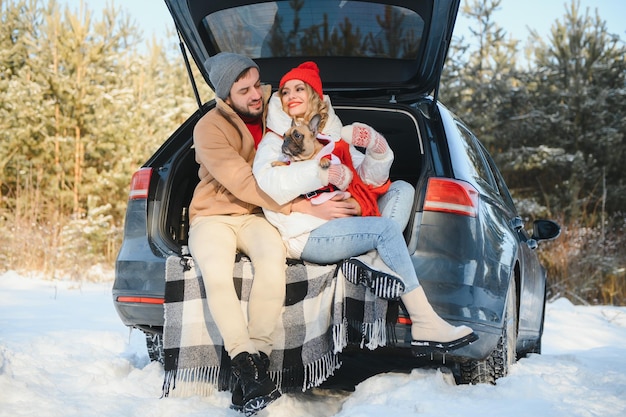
x: 257, y: 390
x: 237, y: 397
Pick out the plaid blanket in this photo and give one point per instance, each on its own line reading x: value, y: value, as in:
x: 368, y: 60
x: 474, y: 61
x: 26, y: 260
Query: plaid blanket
x: 323, y: 313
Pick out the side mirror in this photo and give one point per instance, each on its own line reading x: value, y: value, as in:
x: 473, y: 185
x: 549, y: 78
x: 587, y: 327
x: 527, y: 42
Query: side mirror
x: 545, y: 230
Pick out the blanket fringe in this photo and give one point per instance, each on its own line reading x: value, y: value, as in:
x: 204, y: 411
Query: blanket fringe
x: 204, y: 381
x: 169, y: 383
x: 187, y: 382
x: 340, y: 336
x: 375, y: 333
x: 319, y: 371
x: 371, y: 335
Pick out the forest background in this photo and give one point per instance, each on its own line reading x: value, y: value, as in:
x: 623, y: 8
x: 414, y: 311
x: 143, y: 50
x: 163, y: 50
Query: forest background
x: 85, y: 100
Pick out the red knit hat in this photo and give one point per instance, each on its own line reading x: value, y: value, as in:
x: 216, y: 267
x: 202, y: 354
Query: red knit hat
x: 307, y: 72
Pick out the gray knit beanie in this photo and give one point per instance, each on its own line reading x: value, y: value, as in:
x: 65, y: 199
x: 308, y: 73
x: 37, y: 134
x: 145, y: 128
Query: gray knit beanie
x: 224, y: 68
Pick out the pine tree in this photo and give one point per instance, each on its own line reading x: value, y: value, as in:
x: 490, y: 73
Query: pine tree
x: 81, y: 108
x: 478, y: 79
x: 579, y: 101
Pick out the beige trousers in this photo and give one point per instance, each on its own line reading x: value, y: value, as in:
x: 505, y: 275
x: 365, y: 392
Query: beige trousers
x: 213, y: 243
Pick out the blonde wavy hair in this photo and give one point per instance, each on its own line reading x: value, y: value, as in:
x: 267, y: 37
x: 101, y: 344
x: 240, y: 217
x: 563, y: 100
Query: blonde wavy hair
x: 316, y: 105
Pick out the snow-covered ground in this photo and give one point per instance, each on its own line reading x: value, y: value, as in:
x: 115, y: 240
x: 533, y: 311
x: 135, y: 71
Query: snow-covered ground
x: 64, y: 353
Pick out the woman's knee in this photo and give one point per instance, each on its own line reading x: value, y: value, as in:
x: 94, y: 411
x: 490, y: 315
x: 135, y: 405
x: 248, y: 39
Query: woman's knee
x: 391, y: 227
x: 402, y: 186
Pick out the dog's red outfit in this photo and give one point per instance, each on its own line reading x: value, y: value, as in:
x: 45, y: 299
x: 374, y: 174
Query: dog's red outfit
x: 366, y: 195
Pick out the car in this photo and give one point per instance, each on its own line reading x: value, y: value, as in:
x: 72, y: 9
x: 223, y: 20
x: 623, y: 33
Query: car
x: 380, y: 63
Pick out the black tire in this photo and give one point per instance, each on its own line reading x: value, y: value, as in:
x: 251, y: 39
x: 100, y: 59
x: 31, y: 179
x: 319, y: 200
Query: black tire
x: 498, y: 363
x: 154, y: 343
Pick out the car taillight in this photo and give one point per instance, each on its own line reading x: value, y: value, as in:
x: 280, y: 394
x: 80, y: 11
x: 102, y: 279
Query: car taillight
x: 140, y: 183
x: 404, y: 320
x: 451, y: 196
x: 141, y: 300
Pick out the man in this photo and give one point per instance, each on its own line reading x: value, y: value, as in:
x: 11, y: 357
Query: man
x: 226, y: 217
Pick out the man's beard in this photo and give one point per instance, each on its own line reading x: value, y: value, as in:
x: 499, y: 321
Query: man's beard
x: 245, y: 112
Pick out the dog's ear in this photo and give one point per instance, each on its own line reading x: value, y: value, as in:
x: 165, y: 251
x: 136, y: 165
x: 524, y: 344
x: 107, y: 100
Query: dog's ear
x: 315, y: 123
x: 293, y: 123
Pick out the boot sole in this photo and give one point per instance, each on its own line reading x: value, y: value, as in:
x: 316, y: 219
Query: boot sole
x: 383, y: 285
x: 254, y: 405
x: 425, y: 347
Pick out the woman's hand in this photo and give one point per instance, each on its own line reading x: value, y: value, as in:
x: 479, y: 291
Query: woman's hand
x: 340, y: 176
x: 334, y: 208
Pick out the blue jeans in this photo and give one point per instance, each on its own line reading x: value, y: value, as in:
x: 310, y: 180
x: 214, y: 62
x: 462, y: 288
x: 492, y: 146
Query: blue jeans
x: 352, y: 236
x: 397, y: 203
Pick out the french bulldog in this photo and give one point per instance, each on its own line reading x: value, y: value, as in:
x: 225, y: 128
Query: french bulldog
x: 300, y: 143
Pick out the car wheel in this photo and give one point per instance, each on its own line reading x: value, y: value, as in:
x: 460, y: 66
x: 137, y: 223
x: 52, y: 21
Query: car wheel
x: 154, y: 343
x: 498, y: 363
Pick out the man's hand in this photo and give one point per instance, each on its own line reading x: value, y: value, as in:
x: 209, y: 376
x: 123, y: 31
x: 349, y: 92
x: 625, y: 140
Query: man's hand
x: 334, y: 208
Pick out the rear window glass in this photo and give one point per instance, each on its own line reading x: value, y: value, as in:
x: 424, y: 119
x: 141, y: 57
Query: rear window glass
x: 472, y: 167
x: 317, y: 28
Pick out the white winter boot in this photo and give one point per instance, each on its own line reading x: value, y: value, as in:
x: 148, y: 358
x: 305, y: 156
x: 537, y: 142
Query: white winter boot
x: 371, y: 271
x: 430, y: 332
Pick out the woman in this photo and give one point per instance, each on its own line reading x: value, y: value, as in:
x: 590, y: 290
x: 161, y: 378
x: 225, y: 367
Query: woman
x: 299, y: 97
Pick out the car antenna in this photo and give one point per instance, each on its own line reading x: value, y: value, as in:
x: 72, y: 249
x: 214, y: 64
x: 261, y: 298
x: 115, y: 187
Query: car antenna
x: 188, y: 66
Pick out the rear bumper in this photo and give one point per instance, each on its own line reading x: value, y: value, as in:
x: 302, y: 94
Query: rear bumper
x: 140, y: 315
x: 140, y: 278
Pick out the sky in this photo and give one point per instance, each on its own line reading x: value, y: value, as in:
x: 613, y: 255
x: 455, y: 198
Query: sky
x: 515, y: 16
x: 65, y: 353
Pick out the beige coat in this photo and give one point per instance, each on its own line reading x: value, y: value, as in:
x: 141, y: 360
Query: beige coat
x: 225, y: 151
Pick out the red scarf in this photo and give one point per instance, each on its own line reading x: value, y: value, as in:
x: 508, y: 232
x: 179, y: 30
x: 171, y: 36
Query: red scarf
x: 366, y: 195
x: 255, y: 126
